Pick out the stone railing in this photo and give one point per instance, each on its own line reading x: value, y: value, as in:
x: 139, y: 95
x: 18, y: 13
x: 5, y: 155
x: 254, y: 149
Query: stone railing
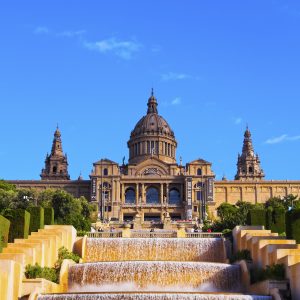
x: 154, y: 234
x: 204, y: 235
x: 105, y: 234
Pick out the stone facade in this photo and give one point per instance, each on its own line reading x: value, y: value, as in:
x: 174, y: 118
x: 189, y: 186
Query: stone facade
x: 152, y: 185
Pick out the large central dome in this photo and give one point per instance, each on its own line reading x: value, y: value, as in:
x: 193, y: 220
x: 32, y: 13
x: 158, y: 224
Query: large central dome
x: 152, y: 136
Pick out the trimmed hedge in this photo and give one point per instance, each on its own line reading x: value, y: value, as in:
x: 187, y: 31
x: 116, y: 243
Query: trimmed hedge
x: 293, y: 224
x: 276, y: 220
x: 19, y: 224
x: 256, y: 217
x: 4, y: 231
x: 48, y: 216
x: 36, y: 218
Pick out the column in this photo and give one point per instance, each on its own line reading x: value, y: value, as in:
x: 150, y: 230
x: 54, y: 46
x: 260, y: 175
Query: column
x: 137, y: 194
x: 118, y: 191
x: 181, y: 192
x: 167, y: 193
x: 143, y: 193
x: 122, y: 193
x: 161, y: 193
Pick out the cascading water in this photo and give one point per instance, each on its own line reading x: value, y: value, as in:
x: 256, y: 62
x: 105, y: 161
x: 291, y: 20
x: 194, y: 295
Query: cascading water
x: 158, y: 249
x: 154, y: 269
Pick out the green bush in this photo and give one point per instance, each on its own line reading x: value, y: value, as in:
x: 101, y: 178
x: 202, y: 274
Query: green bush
x: 4, y: 231
x: 274, y: 272
x: 256, y: 217
x: 293, y: 224
x: 241, y: 255
x: 276, y: 219
x: 64, y: 253
x: 19, y: 223
x: 37, y: 271
x: 36, y: 218
x: 48, y: 216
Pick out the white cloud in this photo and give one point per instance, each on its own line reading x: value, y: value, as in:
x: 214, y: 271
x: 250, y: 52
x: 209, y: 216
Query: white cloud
x: 176, y: 101
x: 282, y: 138
x: 174, y: 76
x: 123, y: 49
x: 238, y: 121
x: 71, y: 33
x: 41, y: 30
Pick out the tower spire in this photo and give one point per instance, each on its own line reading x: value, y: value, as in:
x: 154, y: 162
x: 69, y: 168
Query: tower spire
x: 248, y: 164
x: 152, y: 104
x: 56, y: 164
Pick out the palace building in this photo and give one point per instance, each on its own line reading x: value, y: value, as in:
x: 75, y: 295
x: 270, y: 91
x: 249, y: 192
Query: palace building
x: 153, y: 184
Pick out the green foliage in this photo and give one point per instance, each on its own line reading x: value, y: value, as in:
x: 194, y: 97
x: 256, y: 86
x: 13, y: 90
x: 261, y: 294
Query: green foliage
x: 276, y: 219
x: 19, y: 223
x: 48, y: 216
x: 273, y: 272
x: 4, y: 231
x: 82, y: 232
x: 72, y: 211
x: 226, y: 211
x: 241, y: 255
x: 37, y: 271
x: 5, y: 186
x: 36, y: 218
x: 44, y: 198
x: 64, y: 253
x: 52, y: 274
x: 24, y: 198
x: 256, y: 217
x: 293, y: 224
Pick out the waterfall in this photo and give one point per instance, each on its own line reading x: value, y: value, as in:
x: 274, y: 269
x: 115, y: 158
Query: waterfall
x: 157, y: 249
x: 154, y: 269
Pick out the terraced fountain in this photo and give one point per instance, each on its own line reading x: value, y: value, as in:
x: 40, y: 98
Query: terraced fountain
x: 154, y: 269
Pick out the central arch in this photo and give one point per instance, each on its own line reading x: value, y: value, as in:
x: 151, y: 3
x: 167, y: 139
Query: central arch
x: 152, y: 195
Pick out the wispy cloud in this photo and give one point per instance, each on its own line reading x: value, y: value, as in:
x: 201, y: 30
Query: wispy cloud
x: 282, y: 138
x: 238, y: 121
x: 124, y: 49
x: 176, y: 101
x: 174, y: 76
x: 41, y: 30
x: 71, y: 33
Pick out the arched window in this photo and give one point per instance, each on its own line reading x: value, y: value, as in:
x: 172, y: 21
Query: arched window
x: 54, y: 169
x: 152, y: 195
x: 105, y: 172
x: 106, y: 185
x: 199, y: 171
x: 250, y: 169
x: 174, y: 196
x: 130, y: 196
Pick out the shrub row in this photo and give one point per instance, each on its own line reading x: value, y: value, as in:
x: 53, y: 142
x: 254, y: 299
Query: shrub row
x: 277, y: 220
x: 4, y: 231
x: 293, y: 225
x: 23, y: 222
x: 19, y: 223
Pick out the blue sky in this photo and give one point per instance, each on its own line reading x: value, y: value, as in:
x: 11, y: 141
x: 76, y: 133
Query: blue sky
x: 89, y: 66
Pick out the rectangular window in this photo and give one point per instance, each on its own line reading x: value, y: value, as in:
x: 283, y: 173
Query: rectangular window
x: 199, y: 195
x: 195, y: 208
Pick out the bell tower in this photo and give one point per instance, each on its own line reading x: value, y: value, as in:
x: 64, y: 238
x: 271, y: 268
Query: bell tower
x: 248, y: 164
x: 56, y: 164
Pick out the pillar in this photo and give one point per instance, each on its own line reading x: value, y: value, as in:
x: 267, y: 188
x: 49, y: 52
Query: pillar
x: 143, y: 193
x: 161, y: 193
x: 137, y: 194
x: 167, y: 193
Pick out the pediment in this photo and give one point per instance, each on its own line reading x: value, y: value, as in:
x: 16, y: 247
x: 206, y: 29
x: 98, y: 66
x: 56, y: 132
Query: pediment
x: 152, y: 167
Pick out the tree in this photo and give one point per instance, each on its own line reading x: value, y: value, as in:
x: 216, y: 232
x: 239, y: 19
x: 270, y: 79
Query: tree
x: 6, y: 186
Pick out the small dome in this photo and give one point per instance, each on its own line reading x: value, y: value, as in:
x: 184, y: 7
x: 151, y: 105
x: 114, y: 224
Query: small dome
x: 152, y: 123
